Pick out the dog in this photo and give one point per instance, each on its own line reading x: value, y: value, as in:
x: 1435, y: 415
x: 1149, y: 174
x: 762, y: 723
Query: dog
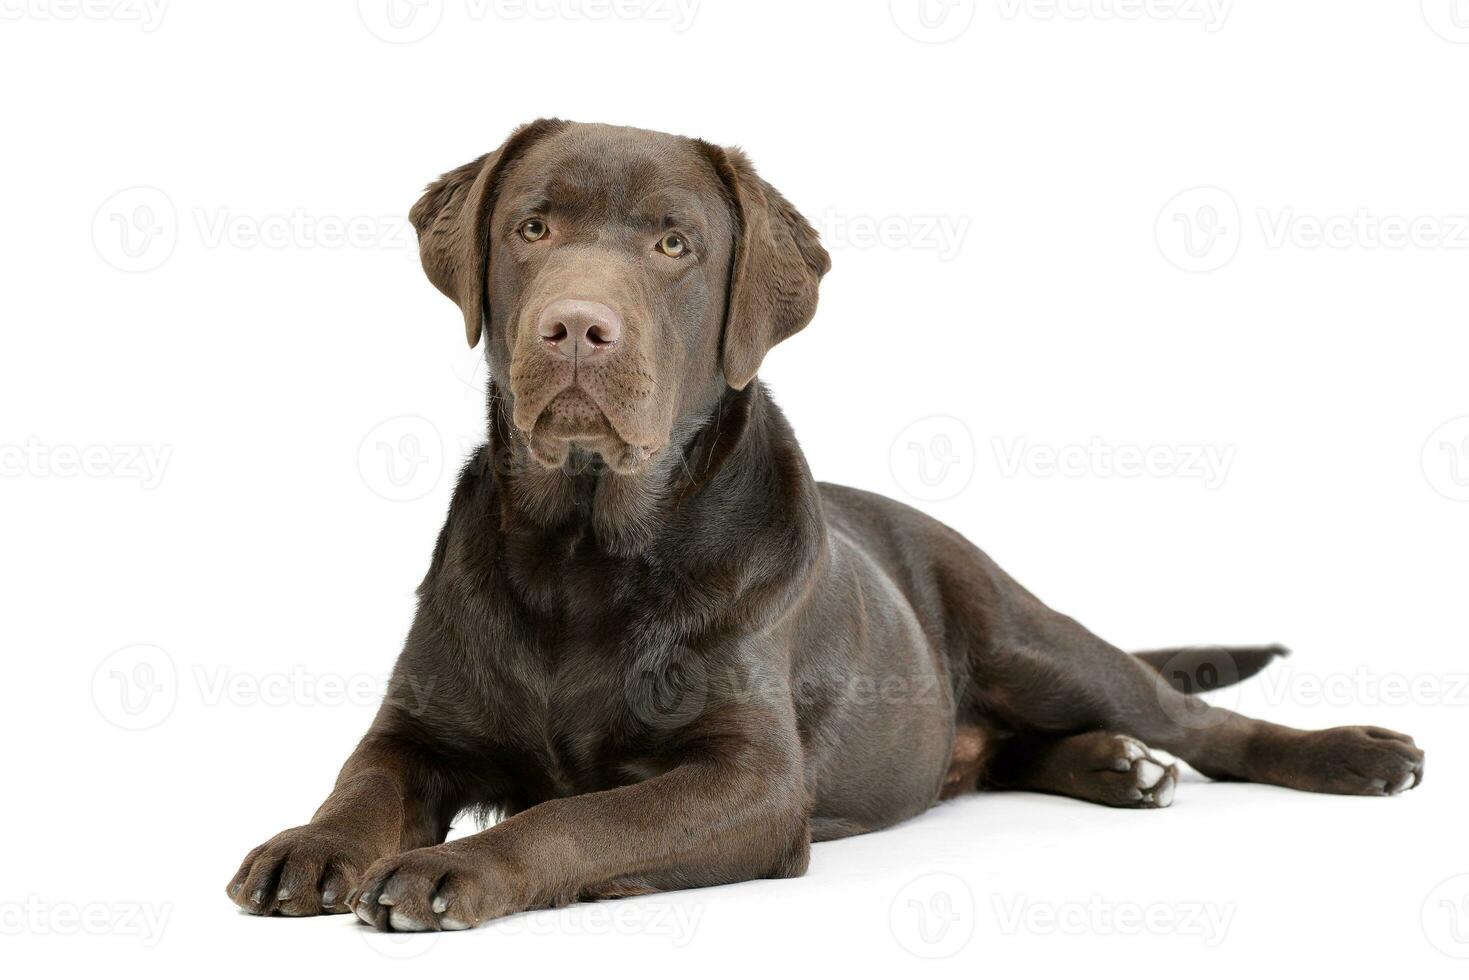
x: 652, y: 644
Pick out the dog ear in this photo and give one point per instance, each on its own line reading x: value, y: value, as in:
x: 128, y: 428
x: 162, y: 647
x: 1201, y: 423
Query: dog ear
x: 452, y: 221
x: 778, y: 264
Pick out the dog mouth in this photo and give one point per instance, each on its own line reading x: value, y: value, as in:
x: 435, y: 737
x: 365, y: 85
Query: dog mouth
x: 572, y: 421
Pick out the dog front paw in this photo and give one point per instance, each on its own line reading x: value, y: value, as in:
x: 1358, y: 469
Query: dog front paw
x: 302, y: 871
x: 432, y: 888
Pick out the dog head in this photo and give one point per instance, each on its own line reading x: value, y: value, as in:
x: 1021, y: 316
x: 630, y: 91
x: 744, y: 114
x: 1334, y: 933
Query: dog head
x: 623, y: 279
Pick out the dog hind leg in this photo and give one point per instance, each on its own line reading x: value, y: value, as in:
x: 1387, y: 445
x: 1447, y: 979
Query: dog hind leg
x: 1040, y: 673
x: 1118, y: 693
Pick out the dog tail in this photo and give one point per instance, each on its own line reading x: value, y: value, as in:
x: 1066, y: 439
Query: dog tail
x: 1193, y: 670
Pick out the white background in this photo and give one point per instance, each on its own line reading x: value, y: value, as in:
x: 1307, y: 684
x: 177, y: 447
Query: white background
x: 229, y: 437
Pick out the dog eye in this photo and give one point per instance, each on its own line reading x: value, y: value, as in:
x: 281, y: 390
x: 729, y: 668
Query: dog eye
x: 672, y: 245
x: 534, y: 230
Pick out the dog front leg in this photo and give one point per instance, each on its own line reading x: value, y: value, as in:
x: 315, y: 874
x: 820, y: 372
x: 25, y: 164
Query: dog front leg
x: 737, y: 814
x: 381, y: 804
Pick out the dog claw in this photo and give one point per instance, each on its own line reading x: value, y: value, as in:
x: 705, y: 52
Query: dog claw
x: 439, y: 904
x: 404, y: 923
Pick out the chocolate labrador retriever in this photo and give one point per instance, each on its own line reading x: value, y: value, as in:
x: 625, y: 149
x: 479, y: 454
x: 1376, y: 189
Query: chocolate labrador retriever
x: 658, y: 649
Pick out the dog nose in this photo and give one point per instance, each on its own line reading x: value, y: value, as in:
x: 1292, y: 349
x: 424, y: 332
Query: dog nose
x: 579, y: 329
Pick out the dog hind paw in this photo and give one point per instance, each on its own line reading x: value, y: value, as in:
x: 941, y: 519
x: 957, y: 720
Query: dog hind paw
x: 1131, y: 776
